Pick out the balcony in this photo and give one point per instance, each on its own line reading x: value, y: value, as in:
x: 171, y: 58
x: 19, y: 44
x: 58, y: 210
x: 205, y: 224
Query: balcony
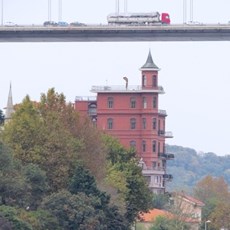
x: 122, y: 89
x: 156, y: 171
x: 85, y: 98
x: 166, y: 156
x: 167, y: 177
x: 162, y: 112
x: 165, y: 134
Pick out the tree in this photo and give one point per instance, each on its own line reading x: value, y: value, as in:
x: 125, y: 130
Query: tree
x: 23, y: 134
x: 74, y: 211
x: 37, y: 181
x: 160, y: 201
x: 5, y: 224
x: 136, y: 195
x: 2, y: 118
x: 10, y: 214
x: 69, y: 140
x: 213, y: 191
x: 13, y: 187
x: 83, y: 182
x: 220, y: 216
x: 166, y: 223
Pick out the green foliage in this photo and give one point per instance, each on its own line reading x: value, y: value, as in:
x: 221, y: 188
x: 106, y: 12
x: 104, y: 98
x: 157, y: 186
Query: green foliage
x: 189, y: 167
x: 11, y: 214
x: 39, y: 219
x: 47, y: 140
x: 214, y: 192
x: 160, y: 201
x: 74, y: 211
x: 23, y: 133
x: 83, y: 182
x: 2, y: 118
x: 136, y: 194
x: 37, y: 134
x: 13, y: 187
x: 37, y: 180
x: 165, y: 223
x: 5, y: 224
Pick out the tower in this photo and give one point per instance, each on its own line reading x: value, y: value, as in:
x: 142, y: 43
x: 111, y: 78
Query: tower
x: 10, y: 107
x: 131, y: 114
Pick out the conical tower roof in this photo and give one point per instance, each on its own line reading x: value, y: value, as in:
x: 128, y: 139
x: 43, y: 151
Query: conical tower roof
x: 10, y: 107
x: 149, y: 64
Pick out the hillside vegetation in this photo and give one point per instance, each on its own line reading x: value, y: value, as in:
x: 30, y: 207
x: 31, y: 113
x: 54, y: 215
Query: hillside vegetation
x: 189, y: 167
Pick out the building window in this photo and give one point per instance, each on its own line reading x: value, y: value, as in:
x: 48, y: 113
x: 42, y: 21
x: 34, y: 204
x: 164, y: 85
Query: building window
x: 154, y: 123
x: 143, y: 146
x: 154, y: 80
x: 133, y: 102
x: 92, y: 109
x: 132, y: 144
x: 133, y: 123
x: 143, y: 123
x: 110, y: 123
x: 110, y: 102
x: 154, y: 164
x: 154, y: 102
x: 144, y: 101
x: 154, y: 146
x: 159, y: 147
x: 144, y: 80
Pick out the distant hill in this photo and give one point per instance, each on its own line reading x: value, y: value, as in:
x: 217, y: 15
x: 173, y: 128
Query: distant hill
x: 189, y: 167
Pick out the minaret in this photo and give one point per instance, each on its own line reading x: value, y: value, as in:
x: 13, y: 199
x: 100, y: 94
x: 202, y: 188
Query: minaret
x: 9, y: 108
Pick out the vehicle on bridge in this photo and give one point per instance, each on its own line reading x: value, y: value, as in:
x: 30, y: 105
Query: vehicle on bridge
x: 152, y: 18
x: 50, y: 23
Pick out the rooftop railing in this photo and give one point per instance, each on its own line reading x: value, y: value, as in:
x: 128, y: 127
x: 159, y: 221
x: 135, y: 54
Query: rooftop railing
x: 131, y: 88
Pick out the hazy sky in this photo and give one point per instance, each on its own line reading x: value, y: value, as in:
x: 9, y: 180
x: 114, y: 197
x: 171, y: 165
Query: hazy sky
x: 195, y: 75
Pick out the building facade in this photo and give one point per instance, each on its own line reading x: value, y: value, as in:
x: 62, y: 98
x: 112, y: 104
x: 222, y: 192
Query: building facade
x: 131, y: 114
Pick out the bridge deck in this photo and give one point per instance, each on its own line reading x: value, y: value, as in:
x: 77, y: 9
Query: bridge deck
x: 105, y: 33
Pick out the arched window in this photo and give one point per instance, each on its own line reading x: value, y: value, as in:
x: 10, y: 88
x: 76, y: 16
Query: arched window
x: 144, y: 101
x: 154, y: 123
x: 143, y: 123
x: 132, y: 102
x: 154, y: 102
x: 132, y: 123
x: 110, y: 102
x: 154, y: 79
x: 143, y: 146
x: 144, y: 80
x: 132, y: 144
x: 109, y: 123
x: 154, y: 146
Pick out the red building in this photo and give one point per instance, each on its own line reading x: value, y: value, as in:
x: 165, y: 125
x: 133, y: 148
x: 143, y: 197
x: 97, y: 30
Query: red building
x: 130, y: 113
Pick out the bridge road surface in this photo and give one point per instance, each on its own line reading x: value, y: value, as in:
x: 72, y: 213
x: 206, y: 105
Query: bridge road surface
x: 106, y: 33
